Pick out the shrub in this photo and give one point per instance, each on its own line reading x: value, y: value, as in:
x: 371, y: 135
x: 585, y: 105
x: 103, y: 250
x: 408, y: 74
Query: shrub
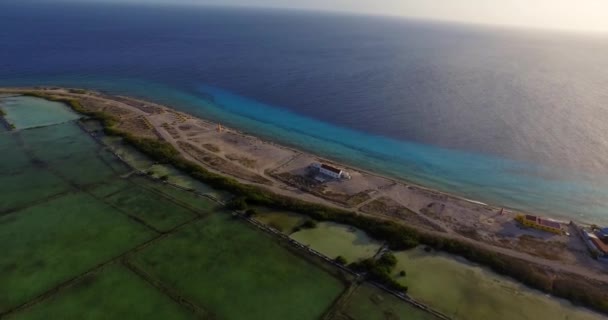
x: 340, y: 260
x: 387, y: 260
x: 377, y: 272
x: 309, y: 224
x: 238, y: 203
x: 250, y: 213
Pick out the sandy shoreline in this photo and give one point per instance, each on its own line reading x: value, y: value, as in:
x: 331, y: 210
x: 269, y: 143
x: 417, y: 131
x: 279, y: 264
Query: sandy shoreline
x: 283, y: 170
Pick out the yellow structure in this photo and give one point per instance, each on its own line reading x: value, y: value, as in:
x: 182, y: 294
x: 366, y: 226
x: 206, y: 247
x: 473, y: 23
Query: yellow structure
x: 540, y: 223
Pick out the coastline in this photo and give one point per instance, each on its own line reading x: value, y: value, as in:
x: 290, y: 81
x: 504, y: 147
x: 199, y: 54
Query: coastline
x: 430, y: 212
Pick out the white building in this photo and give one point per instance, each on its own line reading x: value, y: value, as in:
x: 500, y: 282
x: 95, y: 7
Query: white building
x: 331, y: 171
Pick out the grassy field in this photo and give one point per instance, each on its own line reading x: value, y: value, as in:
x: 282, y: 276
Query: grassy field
x: 49, y: 243
x: 111, y: 293
x: 371, y: 303
x: 236, y: 272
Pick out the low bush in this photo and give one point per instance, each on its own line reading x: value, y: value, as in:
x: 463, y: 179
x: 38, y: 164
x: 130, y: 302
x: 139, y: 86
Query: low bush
x: 379, y: 271
x: 340, y: 260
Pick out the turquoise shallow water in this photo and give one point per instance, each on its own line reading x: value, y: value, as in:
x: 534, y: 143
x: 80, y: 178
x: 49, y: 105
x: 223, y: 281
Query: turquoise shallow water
x: 510, y: 117
x: 525, y: 186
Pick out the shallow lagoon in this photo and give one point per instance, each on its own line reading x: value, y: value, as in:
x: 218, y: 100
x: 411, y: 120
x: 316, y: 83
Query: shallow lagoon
x: 333, y: 239
x: 329, y: 238
x: 466, y: 291
x: 28, y: 112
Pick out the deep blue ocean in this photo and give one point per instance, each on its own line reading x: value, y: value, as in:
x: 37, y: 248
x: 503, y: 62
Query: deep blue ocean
x: 510, y: 117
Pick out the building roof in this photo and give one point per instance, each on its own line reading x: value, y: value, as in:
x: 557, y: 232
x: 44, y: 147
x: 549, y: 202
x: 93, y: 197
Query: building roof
x: 601, y: 246
x: 549, y: 223
x: 330, y: 168
x: 543, y: 222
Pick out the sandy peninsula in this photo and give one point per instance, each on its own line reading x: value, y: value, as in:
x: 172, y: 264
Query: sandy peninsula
x: 287, y: 171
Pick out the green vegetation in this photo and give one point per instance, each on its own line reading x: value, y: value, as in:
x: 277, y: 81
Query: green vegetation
x: 236, y: 272
x: 379, y: 270
x: 111, y: 293
x: 250, y: 213
x: 397, y: 236
x: 341, y: 260
x: 238, y: 203
x: 78, y: 91
x: 309, y: 224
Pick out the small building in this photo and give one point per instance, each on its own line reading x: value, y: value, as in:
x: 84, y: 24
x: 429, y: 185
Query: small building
x: 331, y: 171
x: 598, y: 246
x: 540, y: 223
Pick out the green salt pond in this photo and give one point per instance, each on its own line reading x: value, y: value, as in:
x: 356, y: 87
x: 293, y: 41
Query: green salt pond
x: 28, y: 112
x: 234, y: 271
x: 13, y: 158
x: 112, y: 293
x: 49, y: 243
x: 141, y: 162
x: 189, y: 199
x: 155, y: 210
x: 131, y: 156
x: 29, y: 186
x: 371, y: 303
x: 283, y: 221
x: 466, y: 291
x: 67, y: 207
x: 332, y: 240
x: 176, y: 177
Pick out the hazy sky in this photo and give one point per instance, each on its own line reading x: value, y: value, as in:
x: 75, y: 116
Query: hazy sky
x: 555, y: 14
